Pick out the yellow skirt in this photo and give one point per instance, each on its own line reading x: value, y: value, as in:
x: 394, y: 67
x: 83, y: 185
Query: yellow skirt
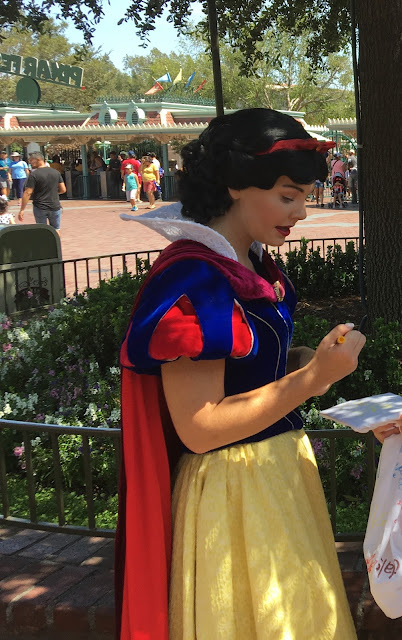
x: 253, y: 551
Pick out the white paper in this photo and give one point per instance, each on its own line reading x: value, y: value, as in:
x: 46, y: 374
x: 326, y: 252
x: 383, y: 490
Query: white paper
x: 366, y: 414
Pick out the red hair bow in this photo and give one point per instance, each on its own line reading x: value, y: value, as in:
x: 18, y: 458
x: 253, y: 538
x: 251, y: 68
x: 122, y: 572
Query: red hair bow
x: 299, y: 144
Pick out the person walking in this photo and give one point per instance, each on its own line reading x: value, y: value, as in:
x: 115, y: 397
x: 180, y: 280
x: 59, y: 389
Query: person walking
x: 131, y: 184
x: 19, y: 174
x: 150, y: 178
x: 5, y: 174
x: 136, y: 165
x: 352, y: 180
x: 44, y: 185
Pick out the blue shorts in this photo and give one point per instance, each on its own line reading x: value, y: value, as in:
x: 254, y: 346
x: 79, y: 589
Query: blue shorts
x: 43, y: 215
x: 318, y: 184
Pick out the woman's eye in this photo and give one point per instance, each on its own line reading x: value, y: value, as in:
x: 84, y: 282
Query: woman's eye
x: 285, y: 199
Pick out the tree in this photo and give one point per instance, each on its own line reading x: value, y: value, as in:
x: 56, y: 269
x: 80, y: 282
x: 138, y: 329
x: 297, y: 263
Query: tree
x: 243, y: 24
x: 281, y: 79
x: 28, y: 16
x: 100, y: 77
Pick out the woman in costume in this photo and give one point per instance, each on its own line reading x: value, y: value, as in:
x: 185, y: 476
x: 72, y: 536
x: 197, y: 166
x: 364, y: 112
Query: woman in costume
x: 208, y: 373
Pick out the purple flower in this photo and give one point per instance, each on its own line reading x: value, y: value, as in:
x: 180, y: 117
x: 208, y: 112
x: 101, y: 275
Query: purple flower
x: 18, y: 451
x: 40, y: 417
x: 54, y: 393
x: 29, y: 294
x: 357, y: 472
x: 7, y: 347
x: 6, y: 324
x: 51, y: 308
x: 317, y: 446
x: 51, y: 372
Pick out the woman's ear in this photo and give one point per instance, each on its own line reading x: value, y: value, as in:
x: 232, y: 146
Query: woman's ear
x: 234, y: 193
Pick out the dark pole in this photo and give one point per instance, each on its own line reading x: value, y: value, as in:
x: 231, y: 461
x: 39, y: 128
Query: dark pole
x: 216, y: 61
x: 359, y: 154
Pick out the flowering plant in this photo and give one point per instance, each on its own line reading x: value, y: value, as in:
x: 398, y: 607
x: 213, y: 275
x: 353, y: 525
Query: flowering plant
x: 62, y: 368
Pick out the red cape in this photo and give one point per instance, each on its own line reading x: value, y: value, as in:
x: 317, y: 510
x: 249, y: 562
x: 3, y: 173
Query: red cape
x: 150, y: 448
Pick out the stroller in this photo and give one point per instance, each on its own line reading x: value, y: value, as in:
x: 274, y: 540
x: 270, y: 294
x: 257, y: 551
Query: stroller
x: 338, y: 191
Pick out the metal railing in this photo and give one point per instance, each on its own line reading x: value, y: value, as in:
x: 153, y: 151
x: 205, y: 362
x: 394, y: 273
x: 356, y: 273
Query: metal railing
x: 54, y: 431
x: 79, y: 274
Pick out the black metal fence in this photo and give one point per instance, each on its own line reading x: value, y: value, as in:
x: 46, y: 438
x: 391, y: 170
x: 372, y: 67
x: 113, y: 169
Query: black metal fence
x: 47, y: 282
x: 26, y: 429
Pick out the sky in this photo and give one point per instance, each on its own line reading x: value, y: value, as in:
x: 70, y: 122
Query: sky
x: 121, y: 40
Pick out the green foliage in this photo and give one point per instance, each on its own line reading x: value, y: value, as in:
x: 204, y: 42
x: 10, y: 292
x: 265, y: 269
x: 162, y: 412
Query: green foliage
x: 105, y: 506
x: 314, y: 275
x: 60, y: 368
x: 379, y: 369
x: 28, y: 16
x: 100, y: 74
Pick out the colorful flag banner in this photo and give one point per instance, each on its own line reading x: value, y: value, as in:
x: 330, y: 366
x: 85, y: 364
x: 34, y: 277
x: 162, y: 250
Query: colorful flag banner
x: 165, y: 78
x: 156, y: 87
x: 200, y: 87
x: 190, y: 79
x: 179, y: 77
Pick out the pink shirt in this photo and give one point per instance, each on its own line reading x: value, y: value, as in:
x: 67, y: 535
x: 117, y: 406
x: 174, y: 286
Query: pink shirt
x: 337, y: 167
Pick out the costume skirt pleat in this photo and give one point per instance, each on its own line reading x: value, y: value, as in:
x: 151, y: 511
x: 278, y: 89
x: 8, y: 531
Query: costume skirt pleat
x: 253, y: 551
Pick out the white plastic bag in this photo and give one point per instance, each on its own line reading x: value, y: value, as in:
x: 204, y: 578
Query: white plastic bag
x: 383, y: 541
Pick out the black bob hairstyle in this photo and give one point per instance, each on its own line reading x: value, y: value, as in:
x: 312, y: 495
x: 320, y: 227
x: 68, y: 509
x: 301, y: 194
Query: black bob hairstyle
x: 225, y: 156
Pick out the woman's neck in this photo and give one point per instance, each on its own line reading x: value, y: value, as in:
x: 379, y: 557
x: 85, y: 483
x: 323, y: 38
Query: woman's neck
x: 240, y: 242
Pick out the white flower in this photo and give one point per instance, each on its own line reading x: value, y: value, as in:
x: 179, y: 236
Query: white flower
x: 115, y: 371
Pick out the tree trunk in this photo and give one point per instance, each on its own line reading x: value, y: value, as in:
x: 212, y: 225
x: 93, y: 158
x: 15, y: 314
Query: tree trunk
x: 380, y: 174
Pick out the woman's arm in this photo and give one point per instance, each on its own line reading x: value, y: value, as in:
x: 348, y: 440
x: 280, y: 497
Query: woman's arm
x: 298, y: 357
x: 205, y: 418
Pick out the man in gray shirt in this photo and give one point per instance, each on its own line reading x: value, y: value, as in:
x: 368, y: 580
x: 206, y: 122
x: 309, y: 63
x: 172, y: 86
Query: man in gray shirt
x: 45, y: 185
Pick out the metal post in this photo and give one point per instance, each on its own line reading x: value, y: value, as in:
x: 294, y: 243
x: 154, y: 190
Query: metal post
x: 85, y: 173
x: 216, y: 62
x: 69, y: 184
x: 165, y: 166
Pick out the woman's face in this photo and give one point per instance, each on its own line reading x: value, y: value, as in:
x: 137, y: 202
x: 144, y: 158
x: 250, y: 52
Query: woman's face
x: 269, y: 215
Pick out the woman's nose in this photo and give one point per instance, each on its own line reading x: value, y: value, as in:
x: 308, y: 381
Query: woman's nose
x: 301, y: 212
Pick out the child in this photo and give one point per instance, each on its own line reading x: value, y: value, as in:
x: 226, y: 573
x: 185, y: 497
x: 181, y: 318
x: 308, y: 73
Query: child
x: 338, y: 187
x: 131, y: 186
x: 5, y: 217
x: 252, y: 555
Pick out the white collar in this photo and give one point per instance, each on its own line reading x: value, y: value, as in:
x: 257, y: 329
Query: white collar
x: 169, y: 222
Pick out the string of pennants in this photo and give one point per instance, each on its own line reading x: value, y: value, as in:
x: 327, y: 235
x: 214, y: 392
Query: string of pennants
x: 179, y: 78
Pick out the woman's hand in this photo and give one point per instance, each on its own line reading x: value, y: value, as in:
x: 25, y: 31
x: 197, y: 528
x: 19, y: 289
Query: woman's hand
x: 333, y: 361
x: 387, y: 430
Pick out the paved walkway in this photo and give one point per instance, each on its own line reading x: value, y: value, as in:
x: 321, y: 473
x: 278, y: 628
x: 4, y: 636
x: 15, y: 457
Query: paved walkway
x: 94, y: 227
x: 60, y: 587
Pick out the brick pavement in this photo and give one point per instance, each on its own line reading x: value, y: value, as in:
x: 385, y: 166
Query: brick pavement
x: 56, y: 586
x: 94, y: 227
